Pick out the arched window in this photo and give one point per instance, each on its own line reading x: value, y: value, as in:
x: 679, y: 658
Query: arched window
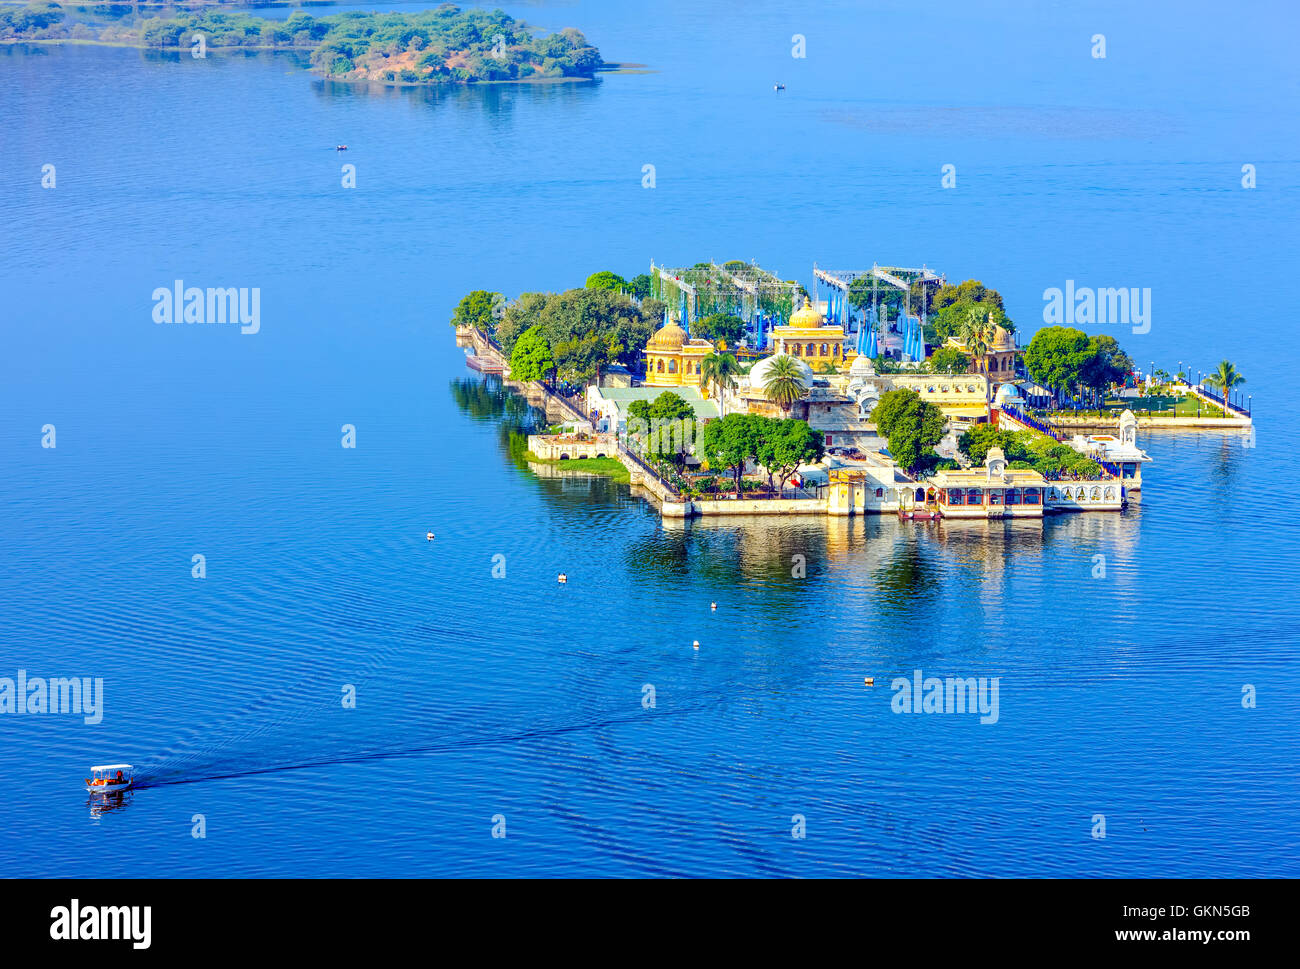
x: 1110, y: 494
x: 974, y: 497
x: 1013, y: 496
x: 1031, y: 496
x: 672, y: 366
x: 697, y: 369
x: 956, y: 497
x: 1096, y: 494
x: 880, y: 492
x: 661, y: 366
x: 811, y: 350
x: 920, y: 494
x: 797, y: 348
x: 824, y: 350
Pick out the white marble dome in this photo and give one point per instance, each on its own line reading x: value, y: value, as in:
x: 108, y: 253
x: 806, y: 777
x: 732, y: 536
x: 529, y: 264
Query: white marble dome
x: 1008, y: 394
x: 862, y: 366
x: 758, y: 374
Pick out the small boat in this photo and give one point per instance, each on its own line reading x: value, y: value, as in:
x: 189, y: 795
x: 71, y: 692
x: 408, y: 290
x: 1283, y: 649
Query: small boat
x: 778, y: 87
x: 108, y: 778
x: 341, y: 148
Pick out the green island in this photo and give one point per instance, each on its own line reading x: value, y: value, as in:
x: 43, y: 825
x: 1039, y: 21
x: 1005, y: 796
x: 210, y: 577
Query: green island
x: 445, y: 45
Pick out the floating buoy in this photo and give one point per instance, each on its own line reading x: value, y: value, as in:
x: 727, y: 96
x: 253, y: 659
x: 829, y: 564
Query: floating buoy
x: 563, y: 578
x: 713, y: 606
x: 429, y: 536
x: 870, y: 681
x: 696, y: 644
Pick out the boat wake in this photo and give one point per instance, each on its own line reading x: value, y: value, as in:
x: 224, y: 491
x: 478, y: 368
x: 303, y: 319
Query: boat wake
x: 213, y: 765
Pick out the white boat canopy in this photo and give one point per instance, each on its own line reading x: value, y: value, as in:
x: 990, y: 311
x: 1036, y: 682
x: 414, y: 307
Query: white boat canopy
x: 113, y: 767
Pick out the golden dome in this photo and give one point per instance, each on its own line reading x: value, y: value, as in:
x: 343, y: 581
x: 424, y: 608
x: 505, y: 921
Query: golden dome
x: 806, y: 318
x: 1002, y: 339
x: 668, y: 337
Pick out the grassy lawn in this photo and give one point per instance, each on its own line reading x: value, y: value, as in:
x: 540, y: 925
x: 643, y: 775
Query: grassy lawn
x: 607, y: 467
x: 1181, y: 406
x: 1167, y: 406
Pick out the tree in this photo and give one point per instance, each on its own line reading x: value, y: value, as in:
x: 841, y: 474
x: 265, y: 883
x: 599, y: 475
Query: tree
x: 948, y: 360
x: 1225, y: 378
x: 640, y: 285
x: 1057, y: 355
x: 784, y: 383
x: 476, y: 310
x: 666, y: 424
x: 531, y: 358
x: 977, y: 335
x: 979, y: 440
x: 518, y: 317
x: 784, y: 445
x: 730, y: 442
x: 575, y: 314
x: 720, y: 326
x: 718, y: 372
x: 886, y: 296
x: 912, y: 425
x: 653, y: 310
x: 970, y: 291
x: 1108, y: 365
x: 607, y: 280
x: 580, y: 359
x: 952, y: 305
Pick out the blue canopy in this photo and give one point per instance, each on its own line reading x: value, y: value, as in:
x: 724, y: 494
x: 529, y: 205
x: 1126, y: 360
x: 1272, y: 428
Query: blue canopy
x: 914, y: 338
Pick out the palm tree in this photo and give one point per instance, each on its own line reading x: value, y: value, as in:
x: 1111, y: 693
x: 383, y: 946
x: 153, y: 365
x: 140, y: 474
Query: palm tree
x: 977, y: 335
x: 784, y: 383
x: 1225, y: 378
x: 718, y: 372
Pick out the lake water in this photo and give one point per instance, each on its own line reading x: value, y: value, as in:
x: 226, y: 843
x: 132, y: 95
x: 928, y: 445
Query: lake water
x: 478, y: 696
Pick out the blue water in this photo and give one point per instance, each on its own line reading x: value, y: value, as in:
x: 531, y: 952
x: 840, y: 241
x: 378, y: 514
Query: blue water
x: 479, y: 696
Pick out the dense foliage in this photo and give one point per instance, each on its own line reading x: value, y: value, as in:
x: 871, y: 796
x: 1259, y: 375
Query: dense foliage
x: 440, y: 45
x: 778, y: 445
x: 1027, y: 449
x: 719, y: 327
x: 665, y: 426
x: 912, y: 426
x: 531, y: 358
x: 585, y: 330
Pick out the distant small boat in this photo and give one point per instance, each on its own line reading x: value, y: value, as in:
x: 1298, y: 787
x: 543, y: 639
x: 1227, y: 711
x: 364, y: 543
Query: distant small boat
x: 778, y: 87
x: 341, y: 148
x: 108, y: 778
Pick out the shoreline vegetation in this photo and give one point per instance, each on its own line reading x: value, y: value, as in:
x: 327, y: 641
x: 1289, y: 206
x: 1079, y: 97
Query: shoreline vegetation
x: 602, y: 467
x: 445, y: 45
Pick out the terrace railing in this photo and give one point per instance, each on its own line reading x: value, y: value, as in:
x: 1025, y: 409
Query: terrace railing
x: 1043, y: 428
x: 1213, y: 398
x: 1111, y: 469
x: 641, y: 463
